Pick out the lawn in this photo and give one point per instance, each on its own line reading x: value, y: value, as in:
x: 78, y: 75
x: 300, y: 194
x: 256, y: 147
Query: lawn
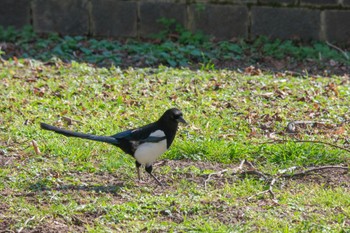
x: 233, y: 168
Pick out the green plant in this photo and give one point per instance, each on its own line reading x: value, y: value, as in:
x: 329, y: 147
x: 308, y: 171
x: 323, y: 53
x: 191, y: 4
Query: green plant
x: 9, y: 34
x: 1, y: 53
x: 177, y: 32
x: 175, y: 46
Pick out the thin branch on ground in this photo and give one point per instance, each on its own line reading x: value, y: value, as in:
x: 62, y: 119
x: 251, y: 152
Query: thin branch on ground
x: 269, y: 190
x: 314, y: 169
x: 240, y: 167
x: 308, y: 141
x: 287, y: 173
x: 345, y: 54
x: 238, y: 171
x: 219, y: 173
x: 254, y: 172
x: 282, y: 174
x: 26, y: 223
x: 249, y: 164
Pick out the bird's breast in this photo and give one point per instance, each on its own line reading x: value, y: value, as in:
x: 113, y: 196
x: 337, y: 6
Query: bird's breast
x: 148, y: 152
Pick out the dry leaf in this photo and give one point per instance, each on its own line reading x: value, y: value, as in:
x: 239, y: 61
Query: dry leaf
x: 36, y: 148
x: 340, y: 130
x: 334, y: 88
x: 39, y: 91
x: 251, y: 70
x: 68, y: 120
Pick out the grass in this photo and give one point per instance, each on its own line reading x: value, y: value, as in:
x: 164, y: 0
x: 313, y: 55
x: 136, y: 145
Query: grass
x: 81, y: 186
x: 75, y: 185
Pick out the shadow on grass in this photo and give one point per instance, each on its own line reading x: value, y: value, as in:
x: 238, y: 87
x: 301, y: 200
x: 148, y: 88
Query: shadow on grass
x: 113, y: 188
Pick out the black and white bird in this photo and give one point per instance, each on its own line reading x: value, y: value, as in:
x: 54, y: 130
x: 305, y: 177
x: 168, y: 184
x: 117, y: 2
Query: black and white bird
x: 145, y: 144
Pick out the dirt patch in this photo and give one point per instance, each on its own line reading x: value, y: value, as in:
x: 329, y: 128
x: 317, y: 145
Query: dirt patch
x: 8, y: 159
x: 5, y: 222
x: 170, y: 172
x: 299, y: 68
x: 222, y: 174
x: 193, y: 171
x: 53, y: 226
x: 329, y: 178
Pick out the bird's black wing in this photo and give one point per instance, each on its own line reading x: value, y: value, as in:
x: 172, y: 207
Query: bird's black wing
x: 140, y: 134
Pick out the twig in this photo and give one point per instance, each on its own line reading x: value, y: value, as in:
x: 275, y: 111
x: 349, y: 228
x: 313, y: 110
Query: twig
x: 249, y: 164
x: 212, y: 174
x: 25, y: 223
x: 255, y: 172
x: 282, y: 174
x: 291, y: 169
x: 272, y: 183
x: 219, y: 173
x: 339, y: 49
x: 309, y: 141
x: 241, y: 164
x: 78, y: 220
x: 313, y: 170
x: 269, y: 190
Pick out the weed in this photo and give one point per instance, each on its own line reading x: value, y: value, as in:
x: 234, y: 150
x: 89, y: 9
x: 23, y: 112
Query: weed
x: 178, y: 47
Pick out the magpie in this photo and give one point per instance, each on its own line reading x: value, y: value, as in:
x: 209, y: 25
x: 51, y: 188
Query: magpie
x: 145, y: 144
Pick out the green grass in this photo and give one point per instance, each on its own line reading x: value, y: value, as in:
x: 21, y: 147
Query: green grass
x: 76, y: 185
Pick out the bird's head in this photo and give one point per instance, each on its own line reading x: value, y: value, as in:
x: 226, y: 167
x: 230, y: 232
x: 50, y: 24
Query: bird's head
x: 172, y: 116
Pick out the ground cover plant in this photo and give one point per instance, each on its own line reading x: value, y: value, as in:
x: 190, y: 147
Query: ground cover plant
x: 50, y: 183
x: 177, y: 47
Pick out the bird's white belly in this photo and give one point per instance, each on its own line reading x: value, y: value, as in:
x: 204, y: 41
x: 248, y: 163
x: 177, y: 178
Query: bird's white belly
x: 148, y: 152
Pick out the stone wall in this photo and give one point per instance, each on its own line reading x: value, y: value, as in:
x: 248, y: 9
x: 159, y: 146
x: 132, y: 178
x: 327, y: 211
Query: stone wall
x: 285, y: 19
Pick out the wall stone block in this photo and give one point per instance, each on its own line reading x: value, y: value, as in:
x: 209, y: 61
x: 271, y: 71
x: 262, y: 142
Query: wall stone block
x: 221, y: 21
x: 69, y: 17
x: 337, y: 26
x: 346, y: 3
x: 319, y: 2
x: 278, y: 2
x: 15, y: 13
x: 150, y: 13
x: 114, y: 18
x: 286, y: 23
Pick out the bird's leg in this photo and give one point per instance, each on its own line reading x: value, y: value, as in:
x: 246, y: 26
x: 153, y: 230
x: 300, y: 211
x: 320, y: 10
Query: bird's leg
x: 138, y: 165
x: 149, y: 171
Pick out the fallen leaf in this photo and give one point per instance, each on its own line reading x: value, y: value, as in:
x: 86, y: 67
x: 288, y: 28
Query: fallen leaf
x: 36, y: 148
x: 267, y: 95
x: 333, y: 87
x: 251, y: 70
x: 39, y: 91
x: 340, y: 130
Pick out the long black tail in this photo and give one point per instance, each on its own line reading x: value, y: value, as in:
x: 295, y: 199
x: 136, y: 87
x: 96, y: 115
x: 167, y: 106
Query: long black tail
x: 69, y: 133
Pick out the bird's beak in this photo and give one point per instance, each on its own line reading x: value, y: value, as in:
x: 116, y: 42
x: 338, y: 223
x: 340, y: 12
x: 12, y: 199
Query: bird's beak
x: 182, y: 120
